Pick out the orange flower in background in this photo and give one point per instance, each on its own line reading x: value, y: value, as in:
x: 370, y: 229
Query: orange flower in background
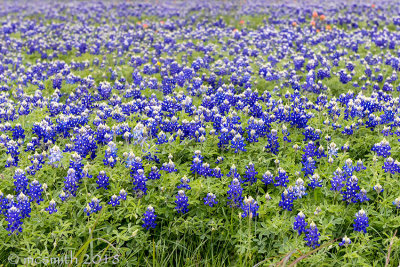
x: 315, y: 14
x: 235, y: 30
x: 373, y: 5
x: 318, y: 30
x: 294, y: 23
x: 145, y: 26
x: 312, y: 23
x: 322, y: 17
x: 241, y: 22
x: 328, y: 27
x: 162, y: 22
x: 138, y: 23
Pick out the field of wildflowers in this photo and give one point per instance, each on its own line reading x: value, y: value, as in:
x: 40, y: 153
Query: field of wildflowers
x: 200, y: 133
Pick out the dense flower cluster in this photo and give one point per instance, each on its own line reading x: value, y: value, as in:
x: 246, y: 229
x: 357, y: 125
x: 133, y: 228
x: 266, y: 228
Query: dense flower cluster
x: 175, y: 100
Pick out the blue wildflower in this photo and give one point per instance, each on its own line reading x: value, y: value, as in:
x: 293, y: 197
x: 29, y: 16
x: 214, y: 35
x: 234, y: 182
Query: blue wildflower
x: 149, y: 218
x: 210, y: 200
x: 361, y: 221
x: 312, y: 236
x: 300, y: 223
x: 181, y: 202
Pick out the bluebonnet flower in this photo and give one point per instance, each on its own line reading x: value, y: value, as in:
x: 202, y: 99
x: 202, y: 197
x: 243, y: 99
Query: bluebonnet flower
x: 268, y: 178
x: 169, y: 167
x: 300, y: 223
x: 184, y: 183
x: 18, y: 132
x: 110, y: 157
x: 196, y: 163
x: 273, y: 144
x: 52, y: 207
x: 362, y: 195
x: 315, y: 181
x: 360, y: 166
x: 350, y: 194
x: 285, y: 133
x: 234, y: 173
x: 378, y: 188
x: 13, y: 217
x: 396, y: 203
x: 382, y: 148
x: 161, y: 138
x: 55, y: 156
x: 309, y: 150
x: 216, y: 172
x: 35, y: 191
x: 24, y: 205
x: 210, y: 200
x: 63, y: 196
x: 149, y: 218
x: 235, y: 193
x: 338, y: 180
x: 154, y: 173
x: 282, y: 179
x: 390, y: 166
x: 93, y: 206
x: 345, y: 147
x: 348, y: 167
x: 320, y: 152
x: 312, y: 236
x: 288, y: 197
x: 122, y: 194
x: 238, y: 144
x: 249, y: 207
x: 37, y: 161
x: 311, y: 134
x: 361, y: 221
x: 219, y: 159
x: 71, y: 182
x: 299, y: 189
x: 205, y: 170
x: 181, y: 202
x: 345, y: 241
x: 139, y: 134
x: 20, y: 181
x: 308, y: 166
x: 102, y: 180
x: 114, y: 201
x: 139, y: 181
x: 250, y: 175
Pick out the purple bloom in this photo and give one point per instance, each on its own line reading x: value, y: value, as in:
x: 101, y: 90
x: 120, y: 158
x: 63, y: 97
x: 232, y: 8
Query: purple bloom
x: 93, y: 206
x: 288, y: 197
x: 345, y: 241
x: 139, y: 181
x: 249, y: 207
x: 282, y: 179
x: 114, y: 201
x: 235, y: 193
x: 52, y: 207
x: 35, y: 191
x: 382, y: 148
x: 361, y: 222
x: 210, y: 200
x: 149, y: 218
x: 102, y: 180
x: 312, y: 236
x: 300, y: 223
x: 268, y: 178
x: 13, y: 217
x: 181, y: 202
